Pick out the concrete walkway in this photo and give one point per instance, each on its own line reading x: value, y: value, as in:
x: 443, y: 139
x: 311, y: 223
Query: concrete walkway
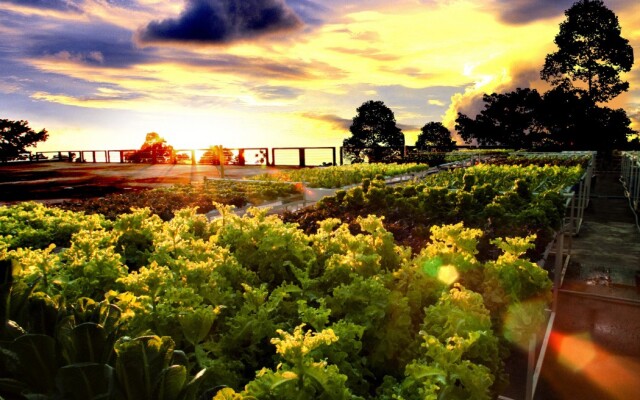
x: 594, y: 349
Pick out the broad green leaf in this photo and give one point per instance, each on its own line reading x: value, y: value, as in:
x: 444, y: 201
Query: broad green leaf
x: 197, y: 324
x: 88, y: 343
x: 86, y: 381
x: 193, y: 386
x: 170, y: 383
x: 37, y: 358
x: 139, y: 362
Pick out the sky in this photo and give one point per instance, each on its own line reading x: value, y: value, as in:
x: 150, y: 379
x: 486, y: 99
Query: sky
x: 100, y: 74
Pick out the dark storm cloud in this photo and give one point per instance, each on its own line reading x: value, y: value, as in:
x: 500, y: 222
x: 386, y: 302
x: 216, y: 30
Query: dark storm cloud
x: 336, y: 121
x: 524, y: 11
x: 344, y: 123
x: 61, y: 5
x: 91, y: 44
x: 222, y: 21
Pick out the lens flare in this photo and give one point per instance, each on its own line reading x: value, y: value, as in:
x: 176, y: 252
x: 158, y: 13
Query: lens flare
x: 448, y: 274
x: 432, y: 266
x: 576, y: 352
x: 522, y: 320
x: 579, y: 368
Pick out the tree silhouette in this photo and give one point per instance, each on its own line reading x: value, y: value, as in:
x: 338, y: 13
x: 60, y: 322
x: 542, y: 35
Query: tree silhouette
x: 375, y: 135
x: 559, y: 120
x: 508, y: 120
x: 153, y: 150
x: 590, y: 51
x: 435, y: 136
x: 15, y: 137
x: 574, y: 122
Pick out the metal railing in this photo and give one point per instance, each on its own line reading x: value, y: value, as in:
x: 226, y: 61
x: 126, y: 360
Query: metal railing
x: 232, y: 156
x: 630, y: 178
x: 282, y: 156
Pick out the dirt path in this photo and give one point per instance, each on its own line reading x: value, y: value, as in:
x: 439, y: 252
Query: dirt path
x: 51, y: 181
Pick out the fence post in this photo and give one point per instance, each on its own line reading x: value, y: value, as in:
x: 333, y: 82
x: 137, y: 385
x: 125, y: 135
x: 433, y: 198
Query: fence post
x: 559, y: 264
x: 302, y: 162
x: 241, y: 160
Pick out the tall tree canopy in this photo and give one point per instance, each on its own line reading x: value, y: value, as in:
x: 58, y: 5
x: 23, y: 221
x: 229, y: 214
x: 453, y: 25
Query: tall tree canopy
x: 435, y: 136
x: 15, y: 137
x: 591, y: 51
x: 374, y: 134
x: 574, y: 122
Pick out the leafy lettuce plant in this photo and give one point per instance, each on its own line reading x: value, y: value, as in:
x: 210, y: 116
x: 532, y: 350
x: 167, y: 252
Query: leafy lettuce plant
x: 458, y: 357
x: 299, y: 375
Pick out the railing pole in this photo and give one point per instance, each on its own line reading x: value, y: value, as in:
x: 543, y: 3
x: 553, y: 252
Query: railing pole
x: 301, y: 157
x: 531, y: 367
x: 559, y: 262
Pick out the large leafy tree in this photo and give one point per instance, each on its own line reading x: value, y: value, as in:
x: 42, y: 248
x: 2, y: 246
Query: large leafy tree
x: 435, y: 136
x: 15, y: 137
x: 375, y: 135
x: 591, y: 52
x: 507, y: 120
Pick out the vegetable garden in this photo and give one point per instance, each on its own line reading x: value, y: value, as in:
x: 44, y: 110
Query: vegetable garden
x: 410, y: 291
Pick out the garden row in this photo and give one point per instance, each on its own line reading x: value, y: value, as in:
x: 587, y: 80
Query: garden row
x: 257, y: 190
x: 500, y: 200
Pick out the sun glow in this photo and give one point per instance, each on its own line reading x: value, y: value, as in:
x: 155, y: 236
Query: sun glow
x: 449, y: 53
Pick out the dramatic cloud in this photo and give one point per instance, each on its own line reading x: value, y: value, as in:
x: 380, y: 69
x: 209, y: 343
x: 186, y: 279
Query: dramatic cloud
x: 276, y: 92
x: 222, y: 21
x: 371, y: 53
x: 635, y: 117
x: 259, y: 67
x: 344, y: 123
x: 60, y: 5
x: 309, y: 11
x: 470, y: 102
x: 102, y: 98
